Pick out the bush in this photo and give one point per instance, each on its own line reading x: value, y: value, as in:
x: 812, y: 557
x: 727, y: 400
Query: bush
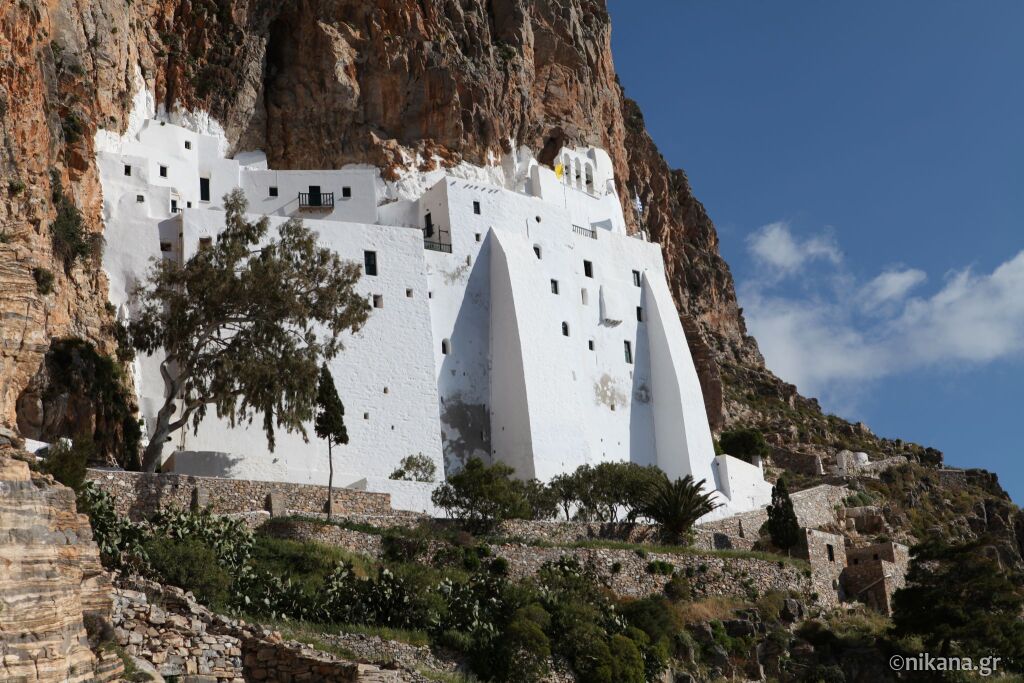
x: 415, y: 468
x: 404, y: 546
x: 71, y: 240
x: 44, y: 280
x: 678, y: 589
x: 120, y: 541
x: 744, y: 444
x: 660, y: 567
x: 67, y: 461
x: 191, y: 565
x: 482, y: 496
x: 16, y: 186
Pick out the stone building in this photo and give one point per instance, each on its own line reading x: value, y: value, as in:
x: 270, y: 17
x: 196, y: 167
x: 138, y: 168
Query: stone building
x: 875, y: 572
x: 513, y: 317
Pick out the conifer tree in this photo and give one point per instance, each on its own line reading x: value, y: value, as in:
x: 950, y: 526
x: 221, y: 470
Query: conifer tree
x: 782, y: 524
x: 330, y: 426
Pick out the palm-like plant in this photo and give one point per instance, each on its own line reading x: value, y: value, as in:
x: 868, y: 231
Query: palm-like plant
x: 677, y: 505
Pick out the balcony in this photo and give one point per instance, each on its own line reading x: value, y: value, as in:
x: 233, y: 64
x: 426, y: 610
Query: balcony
x: 586, y: 232
x: 437, y: 246
x: 316, y: 201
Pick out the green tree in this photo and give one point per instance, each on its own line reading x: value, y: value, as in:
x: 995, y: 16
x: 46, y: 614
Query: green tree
x: 744, y: 444
x: 330, y: 425
x: 960, y: 599
x: 482, y: 495
x: 565, y: 492
x: 677, y: 505
x: 782, y: 525
x: 67, y: 460
x: 244, y: 324
x: 415, y: 468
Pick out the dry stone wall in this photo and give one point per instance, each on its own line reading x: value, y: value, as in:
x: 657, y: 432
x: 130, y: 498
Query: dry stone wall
x: 815, y: 507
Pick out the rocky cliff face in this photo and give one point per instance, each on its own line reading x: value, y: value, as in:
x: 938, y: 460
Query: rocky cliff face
x: 51, y: 581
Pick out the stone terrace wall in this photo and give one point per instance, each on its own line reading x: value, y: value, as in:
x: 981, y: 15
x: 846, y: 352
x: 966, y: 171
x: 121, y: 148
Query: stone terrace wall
x: 138, y: 495
x: 166, y: 627
x: 815, y: 507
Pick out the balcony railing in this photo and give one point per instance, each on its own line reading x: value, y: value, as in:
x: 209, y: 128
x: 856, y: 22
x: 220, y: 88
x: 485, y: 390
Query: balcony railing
x: 586, y: 232
x: 437, y: 246
x: 320, y: 200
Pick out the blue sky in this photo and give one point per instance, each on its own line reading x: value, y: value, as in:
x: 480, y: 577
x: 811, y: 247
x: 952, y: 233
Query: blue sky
x: 864, y: 165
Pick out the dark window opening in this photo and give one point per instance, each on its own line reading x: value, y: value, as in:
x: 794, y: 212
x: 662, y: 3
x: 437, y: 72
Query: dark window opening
x: 163, y: 171
x: 590, y: 344
x: 273, y: 190
x: 588, y: 269
x: 831, y: 552
x: 629, y: 351
x: 378, y: 301
x: 554, y: 286
x: 165, y: 246
x: 127, y: 169
x: 205, y: 243
x: 428, y: 226
x: 639, y: 314
x: 204, y: 189
x: 536, y: 250
x: 346, y: 192
x: 174, y: 206
x: 478, y: 237
x: 188, y: 144
x: 476, y: 208
x: 140, y: 198
x: 565, y: 329
x: 188, y: 205
x: 446, y: 347
x: 370, y: 262
x: 636, y: 278
x: 408, y: 293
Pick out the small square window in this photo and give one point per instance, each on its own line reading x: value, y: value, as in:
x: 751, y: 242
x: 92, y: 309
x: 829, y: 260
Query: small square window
x: 378, y: 301
x: 554, y: 286
x: 588, y: 269
x: 628, y: 351
x: 127, y: 169
x: 346, y: 192
x: 639, y: 314
x: 273, y: 191
x: 140, y: 198
x: 188, y: 205
x: 165, y: 246
x: 205, y: 243
x: 478, y: 237
x: 188, y: 144
x: 408, y: 293
x: 831, y: 552
x: 370, y: 262
x: 636, y: 278
x: 476, y: 208
x: 366, y: 416
x: 163, y: 171
x: 590, y: 344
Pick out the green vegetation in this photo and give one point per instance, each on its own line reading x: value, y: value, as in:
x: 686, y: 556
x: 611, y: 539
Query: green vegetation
x: 71, y: 240
x: 782, y: 525
x: 67, y: 461
x: 44, y: 280
x: 744, y: 444
x: 482, y: 495
x: 330, y: 425
x: 676, y: 505
x: 415, y: 468
x: 272, y: 310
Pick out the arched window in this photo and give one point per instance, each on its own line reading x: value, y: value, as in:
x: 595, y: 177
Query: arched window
x: 565, y: 329
x: 577, y: 171
x: 446, y: 346
x: 588, y: 173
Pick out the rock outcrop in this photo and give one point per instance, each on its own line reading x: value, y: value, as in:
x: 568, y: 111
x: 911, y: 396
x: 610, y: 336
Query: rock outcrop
x: 51, y: 582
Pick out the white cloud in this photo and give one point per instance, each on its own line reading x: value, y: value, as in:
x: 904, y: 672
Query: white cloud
x: 834, y: 345
x: 891, y: 286
x: 775, y: 247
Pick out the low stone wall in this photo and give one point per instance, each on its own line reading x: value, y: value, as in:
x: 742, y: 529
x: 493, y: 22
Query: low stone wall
x: 815, y: 507
x: 165, y: 626
x: 138, y: 495
x: 571, y: 532
x: 328, y: 534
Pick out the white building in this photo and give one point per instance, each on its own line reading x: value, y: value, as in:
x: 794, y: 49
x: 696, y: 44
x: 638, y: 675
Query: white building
x: 514, y: 319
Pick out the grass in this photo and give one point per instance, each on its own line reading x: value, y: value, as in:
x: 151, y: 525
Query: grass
x: 709, y: 609
x: 308, y: 562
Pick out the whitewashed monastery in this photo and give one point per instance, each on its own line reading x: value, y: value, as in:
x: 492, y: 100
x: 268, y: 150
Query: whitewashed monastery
x: 513, y: 318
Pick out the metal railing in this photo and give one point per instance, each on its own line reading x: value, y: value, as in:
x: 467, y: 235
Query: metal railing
x: 322, y: 200
x: 437, y: 246
x: 586, y: 232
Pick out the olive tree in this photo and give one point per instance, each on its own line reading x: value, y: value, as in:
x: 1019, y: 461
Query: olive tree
x: 243, y: 326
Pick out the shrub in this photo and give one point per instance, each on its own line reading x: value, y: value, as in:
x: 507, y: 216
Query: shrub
x: 481, y: 495
x: 660, y: 567
x: 70, y: 239
x: 498, y: 566
x: 16, y: 186
x: 191, y: 565
x: 415, y: 468
x: 744, y: 444
x: 120, y: 541
x: 67, y: 461
x: 616, y: 567
x: 404, y: 546
x: 678, y: 589
x: 677, y: 505
x: 44, y: 280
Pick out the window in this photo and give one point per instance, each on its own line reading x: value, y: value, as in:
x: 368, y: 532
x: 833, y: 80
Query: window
x: 639, y: 314
x: 554, y: 286
x: 590, y: 344
x: 127, y: 169
x: 370, y: 262
x: 140, y: 198
x: 585, y: 296
x: 174, y: 206
x: 366, y: 416
x: 205, y: 243
x: 273, y: 191
x: 536, y: 250
x: 188, y: 144
x: 565, y: 329
x: 629, y: 351
x: 163, y: 171
x: 428, y: 226
x: 408, y: 292
x: 636, y: 278
x: 188, y: 205
x: 588, y: 269
x: 346, y: 192
x: 831, y: 552
x: 478, y: 237
x: 165, y: 246
x: 446, y: 346
x: 476, y: 208
x: 204, y: 189
x: 378, y: 301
